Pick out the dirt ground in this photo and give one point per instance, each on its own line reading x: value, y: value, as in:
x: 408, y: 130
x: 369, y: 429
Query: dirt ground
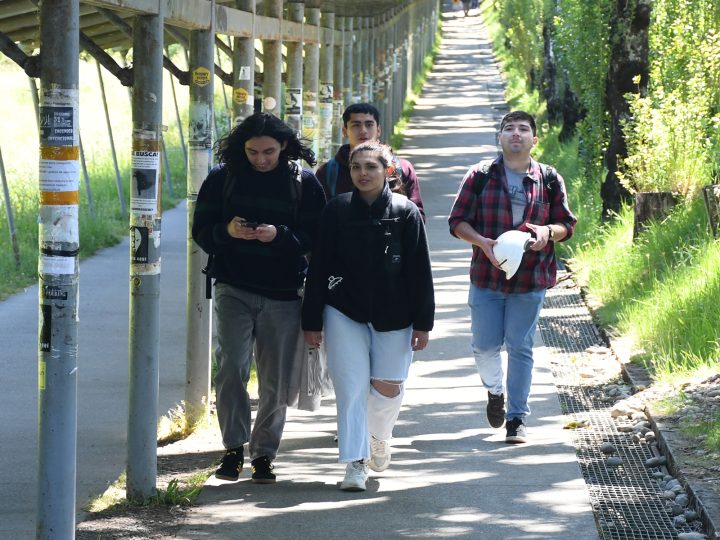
x: 182, y: 460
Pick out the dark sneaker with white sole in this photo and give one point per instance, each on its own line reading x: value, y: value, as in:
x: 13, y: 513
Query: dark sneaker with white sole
x: 496, y: 410
x: 262, y: 469
x: 231, y: 465
x: 515, y: 431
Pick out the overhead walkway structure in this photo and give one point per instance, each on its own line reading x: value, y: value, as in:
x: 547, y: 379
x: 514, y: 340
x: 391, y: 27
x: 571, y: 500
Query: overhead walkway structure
x: 302, y: 60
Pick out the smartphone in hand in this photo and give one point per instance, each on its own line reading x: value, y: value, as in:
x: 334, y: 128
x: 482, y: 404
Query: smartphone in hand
x: 250, y: 224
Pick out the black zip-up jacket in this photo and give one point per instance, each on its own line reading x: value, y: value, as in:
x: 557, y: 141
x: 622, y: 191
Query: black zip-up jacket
x: 367, y: 270
x: 273, y: 269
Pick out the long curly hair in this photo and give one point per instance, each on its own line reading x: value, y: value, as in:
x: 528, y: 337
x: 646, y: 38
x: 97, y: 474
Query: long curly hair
x: 230, y: 149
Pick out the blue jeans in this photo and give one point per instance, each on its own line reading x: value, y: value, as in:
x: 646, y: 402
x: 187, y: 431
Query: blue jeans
x: 356, y: 354
x: 510, y: 319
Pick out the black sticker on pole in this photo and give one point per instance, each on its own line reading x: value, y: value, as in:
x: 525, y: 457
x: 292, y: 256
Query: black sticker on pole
x: 45, y: 327
x: 56, y: 126
x: 139, y: 245
x: 50, y: 292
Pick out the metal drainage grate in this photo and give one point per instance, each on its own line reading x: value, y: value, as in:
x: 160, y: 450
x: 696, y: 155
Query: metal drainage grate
x: 626, y: 500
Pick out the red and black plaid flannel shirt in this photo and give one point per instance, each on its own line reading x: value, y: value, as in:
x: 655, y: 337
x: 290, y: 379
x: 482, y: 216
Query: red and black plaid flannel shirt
x: 490, y: 214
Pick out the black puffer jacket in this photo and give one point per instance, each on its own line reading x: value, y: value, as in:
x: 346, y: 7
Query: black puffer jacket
x: 369, y: 269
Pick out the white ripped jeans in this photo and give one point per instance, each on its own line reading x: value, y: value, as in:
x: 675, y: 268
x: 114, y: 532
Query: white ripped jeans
x: 357, y: 354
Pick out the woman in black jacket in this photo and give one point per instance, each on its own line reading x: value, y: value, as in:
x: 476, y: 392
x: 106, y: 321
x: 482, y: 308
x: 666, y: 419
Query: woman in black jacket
x: 257, y: 214
x: 370, y: 290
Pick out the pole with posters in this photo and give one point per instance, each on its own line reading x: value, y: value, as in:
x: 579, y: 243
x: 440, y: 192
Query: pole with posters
x: 145, y: 212
x: 327, y: 55
x: 311, y: 80
x: 272, y: 62
x: 198, y: 306
x: 294, y: 88
x: 243, y: 96
x: 58, y: 268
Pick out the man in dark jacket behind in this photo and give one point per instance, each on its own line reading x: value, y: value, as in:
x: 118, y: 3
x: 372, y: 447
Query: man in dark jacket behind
x: 361, y: 123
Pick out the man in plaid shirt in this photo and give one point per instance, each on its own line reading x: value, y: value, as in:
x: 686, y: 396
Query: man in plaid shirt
x: 511, y: 192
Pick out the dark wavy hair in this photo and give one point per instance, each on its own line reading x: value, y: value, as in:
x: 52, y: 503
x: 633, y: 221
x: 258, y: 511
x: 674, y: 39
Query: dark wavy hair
x: 519, y: 116
x: 387, y: 159
x: 230, y: 149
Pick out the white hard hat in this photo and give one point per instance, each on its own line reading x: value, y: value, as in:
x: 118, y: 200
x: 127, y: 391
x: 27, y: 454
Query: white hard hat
x: 509, y: 250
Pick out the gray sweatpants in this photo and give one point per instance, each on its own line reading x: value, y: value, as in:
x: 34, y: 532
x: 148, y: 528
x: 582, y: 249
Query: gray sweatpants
x: 273, y: 326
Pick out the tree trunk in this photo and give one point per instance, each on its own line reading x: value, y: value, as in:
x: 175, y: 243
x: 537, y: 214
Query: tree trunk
x: 651, y: 207
x: 711, y: 196
x: 628, y: 60
x: 563, y: 107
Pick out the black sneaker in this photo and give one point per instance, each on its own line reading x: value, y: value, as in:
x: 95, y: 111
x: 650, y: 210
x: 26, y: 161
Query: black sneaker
x: 515, y: 431
x: 232, y: 464
x: 496, y: 410
x: 262, y: 469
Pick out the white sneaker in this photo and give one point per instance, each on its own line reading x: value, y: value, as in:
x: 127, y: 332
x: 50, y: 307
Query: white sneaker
x: 379, y: 454
x: 356, y: 474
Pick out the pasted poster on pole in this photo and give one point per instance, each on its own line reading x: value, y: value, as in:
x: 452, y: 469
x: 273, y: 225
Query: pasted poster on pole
x: 293, y: 101
x: 145, y: 182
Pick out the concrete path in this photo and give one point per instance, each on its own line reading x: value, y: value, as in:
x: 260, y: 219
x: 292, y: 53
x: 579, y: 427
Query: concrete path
x: 102, y: 375
x: 452, y: 476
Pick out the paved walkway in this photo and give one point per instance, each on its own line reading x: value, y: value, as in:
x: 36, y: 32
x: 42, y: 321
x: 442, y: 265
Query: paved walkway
x: 452, y: 476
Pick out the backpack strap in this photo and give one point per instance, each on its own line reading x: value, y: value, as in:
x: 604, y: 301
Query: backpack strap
x: 332, y: 169
x: 208, y: 277
x: 480, y: 179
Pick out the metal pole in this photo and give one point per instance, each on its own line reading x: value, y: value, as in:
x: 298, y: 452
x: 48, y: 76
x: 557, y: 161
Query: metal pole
x: 108, y: 123
x: 58, y: 268
x: 228, y: 115
x: 244, y: 70
x: 86, y: 178
x: 327, y: 54
x: 357, y: 60
x: 348, y: 62
x: 179, y: 121
x: 366, y: 87
x: 35, y: 100
x: 198, y: 307
x: 166, y: 167
x: 338, y: 88
x: 9, y: 212
x: 310, y: 120
x: 294, y: 87
x: 145, y: 208
x: 272, y: 62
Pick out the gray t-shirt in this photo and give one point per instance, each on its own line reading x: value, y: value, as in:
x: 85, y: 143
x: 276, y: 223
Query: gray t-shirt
x: 517, y: 194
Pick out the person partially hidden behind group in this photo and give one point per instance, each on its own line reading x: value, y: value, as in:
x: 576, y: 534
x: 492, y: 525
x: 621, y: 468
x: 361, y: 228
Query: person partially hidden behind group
x: 257, y: 214
x: 369, y: 293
